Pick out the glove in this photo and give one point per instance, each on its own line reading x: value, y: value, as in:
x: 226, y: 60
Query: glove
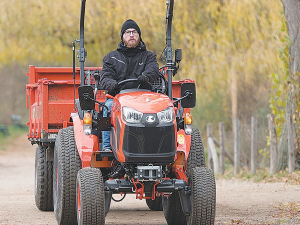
x: 113, y: 86
x: 142, y: 79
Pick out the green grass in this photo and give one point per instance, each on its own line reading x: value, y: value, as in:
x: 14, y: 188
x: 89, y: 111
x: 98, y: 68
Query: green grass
x: 13, y: 133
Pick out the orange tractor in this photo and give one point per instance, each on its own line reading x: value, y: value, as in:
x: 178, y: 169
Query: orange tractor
x: 156, y: 153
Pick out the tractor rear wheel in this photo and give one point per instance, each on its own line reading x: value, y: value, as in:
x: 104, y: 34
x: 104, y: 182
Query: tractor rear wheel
x: 173, y: 210
x: 66, y: 165
x: 156, y: 204
x: 203, y: 196
x: 196, y: 156
x: 90, y: 197
x: 43, y: 180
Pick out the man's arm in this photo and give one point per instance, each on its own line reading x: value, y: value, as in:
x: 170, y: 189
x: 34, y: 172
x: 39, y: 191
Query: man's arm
x: 108, y: 73
x: 151, y: 67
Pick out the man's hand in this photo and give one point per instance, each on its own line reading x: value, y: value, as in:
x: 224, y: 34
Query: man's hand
x: 113, y: 86
x: 142, y: 79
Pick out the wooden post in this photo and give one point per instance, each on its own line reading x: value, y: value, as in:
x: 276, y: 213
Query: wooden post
x: 253, y: 144
x: 273, y: 146
x: 212, y: 148
x: 291, y: 144
x: 230, y: 158
x: 236, y: 147
x: 222, y: 148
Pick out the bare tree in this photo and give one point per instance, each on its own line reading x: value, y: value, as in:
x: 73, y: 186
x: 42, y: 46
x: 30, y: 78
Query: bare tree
x: 292, y: 14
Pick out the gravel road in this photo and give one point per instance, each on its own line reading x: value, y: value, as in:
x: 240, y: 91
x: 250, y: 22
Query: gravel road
x: 237, y: 202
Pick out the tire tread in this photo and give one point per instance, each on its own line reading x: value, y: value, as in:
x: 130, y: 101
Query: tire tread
x: 90, y: 183
x: 44, y: 180
x: 203, y: 202
x: 70, y: 162
x: 196, y: 156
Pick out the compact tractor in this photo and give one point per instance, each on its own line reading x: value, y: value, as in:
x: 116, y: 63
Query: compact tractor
x: 156, y: 152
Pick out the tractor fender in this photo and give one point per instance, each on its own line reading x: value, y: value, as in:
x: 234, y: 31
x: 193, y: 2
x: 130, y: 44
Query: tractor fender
x: 183, y: 143
x: 86, y: 144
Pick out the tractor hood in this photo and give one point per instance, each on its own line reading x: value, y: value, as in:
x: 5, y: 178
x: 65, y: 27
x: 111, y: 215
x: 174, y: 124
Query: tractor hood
x: 145, y: 102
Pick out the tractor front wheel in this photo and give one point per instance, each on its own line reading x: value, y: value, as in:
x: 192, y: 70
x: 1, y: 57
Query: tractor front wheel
x: 173, y: 210
x: 90, y: 197
x: 156, y: 204
x: 43, y: 180
x: 66, y: 165
x: 203, y: 196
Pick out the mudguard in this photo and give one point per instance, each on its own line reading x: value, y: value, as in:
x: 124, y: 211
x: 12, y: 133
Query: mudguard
x: 86, y: 144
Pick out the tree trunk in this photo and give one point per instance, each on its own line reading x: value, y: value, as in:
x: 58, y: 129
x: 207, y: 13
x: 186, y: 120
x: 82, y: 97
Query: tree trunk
x: 234, y: 96
x: 292, y: 14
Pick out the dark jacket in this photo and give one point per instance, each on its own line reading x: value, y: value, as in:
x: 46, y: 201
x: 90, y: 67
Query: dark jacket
x: 127, y: 63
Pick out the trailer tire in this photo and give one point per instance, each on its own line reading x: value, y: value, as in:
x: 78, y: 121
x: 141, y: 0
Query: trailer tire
x: 90, y: 197
x: 173, y: 210
x: 66, y: 165
x: 156, y: 204
x: 43, y: 180
x: 196, y: 156
x: 203, y: 196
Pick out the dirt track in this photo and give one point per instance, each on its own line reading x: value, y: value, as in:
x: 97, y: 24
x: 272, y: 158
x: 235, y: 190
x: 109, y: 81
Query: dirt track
x: 237, y: 202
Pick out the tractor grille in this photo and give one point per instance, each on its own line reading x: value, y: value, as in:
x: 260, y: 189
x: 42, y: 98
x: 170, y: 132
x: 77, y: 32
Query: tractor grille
x: 149, y: 144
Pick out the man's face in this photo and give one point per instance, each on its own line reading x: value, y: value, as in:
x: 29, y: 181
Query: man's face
x: 131, y: 38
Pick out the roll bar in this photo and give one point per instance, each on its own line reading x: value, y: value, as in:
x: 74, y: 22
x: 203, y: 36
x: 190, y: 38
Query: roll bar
x: 169, y: 54
x: 82, y: 52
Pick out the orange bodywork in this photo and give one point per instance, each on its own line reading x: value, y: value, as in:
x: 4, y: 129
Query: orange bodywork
x: 86, y: 144
x: 145, y: 102
x: 183, y: 150
x: 50, y: 99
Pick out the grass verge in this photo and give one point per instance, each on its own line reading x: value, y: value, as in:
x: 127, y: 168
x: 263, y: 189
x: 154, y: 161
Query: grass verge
x: 13, y: 132
x: 262, y: 175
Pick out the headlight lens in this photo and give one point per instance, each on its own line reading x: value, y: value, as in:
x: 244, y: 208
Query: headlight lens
x: 131, y: 115
x: 166, y: 116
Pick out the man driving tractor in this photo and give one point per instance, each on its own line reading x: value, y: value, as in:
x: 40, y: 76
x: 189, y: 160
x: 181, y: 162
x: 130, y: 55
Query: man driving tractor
x: 131, y: 60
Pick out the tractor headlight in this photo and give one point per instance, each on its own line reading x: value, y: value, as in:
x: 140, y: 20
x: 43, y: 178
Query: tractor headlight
x: 131, y: 115
x: 166, y: 116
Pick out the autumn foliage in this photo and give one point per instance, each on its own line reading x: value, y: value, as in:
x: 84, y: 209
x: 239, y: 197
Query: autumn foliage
x: 218, y: 37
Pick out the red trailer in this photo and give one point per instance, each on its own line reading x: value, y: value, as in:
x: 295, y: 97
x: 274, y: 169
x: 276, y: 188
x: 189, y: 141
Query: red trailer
x: 51, y: 100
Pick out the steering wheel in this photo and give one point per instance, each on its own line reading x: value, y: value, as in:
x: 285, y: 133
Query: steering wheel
x: 123, y: 82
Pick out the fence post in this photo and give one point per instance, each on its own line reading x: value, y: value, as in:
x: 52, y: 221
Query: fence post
x: 291, y: 144
x: 273, y: 146
x: 236, y: 147
x: 222, y: 148
x: 253, y: 144
x: 212, y: 148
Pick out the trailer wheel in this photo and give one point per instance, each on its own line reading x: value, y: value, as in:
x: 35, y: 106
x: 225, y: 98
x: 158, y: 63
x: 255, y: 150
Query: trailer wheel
x: 173, y: 211
x: 90, y: 197
x: 156, y: 204
x: 196, y: 156
x: 43, y: 180
x: 203, y: 196
x: 66, y: 165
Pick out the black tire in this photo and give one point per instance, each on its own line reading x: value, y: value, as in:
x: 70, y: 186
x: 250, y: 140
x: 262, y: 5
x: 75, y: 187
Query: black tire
x: 156, y: 204
x: 43, y: 180
x: 203, y: 196
x: 90, y: 197
x: 173, y: 211
x: 196, y: 156
x: 66, y: 165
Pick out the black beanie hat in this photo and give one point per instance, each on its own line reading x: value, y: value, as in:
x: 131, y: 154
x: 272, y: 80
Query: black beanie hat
x: 130, y: 24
